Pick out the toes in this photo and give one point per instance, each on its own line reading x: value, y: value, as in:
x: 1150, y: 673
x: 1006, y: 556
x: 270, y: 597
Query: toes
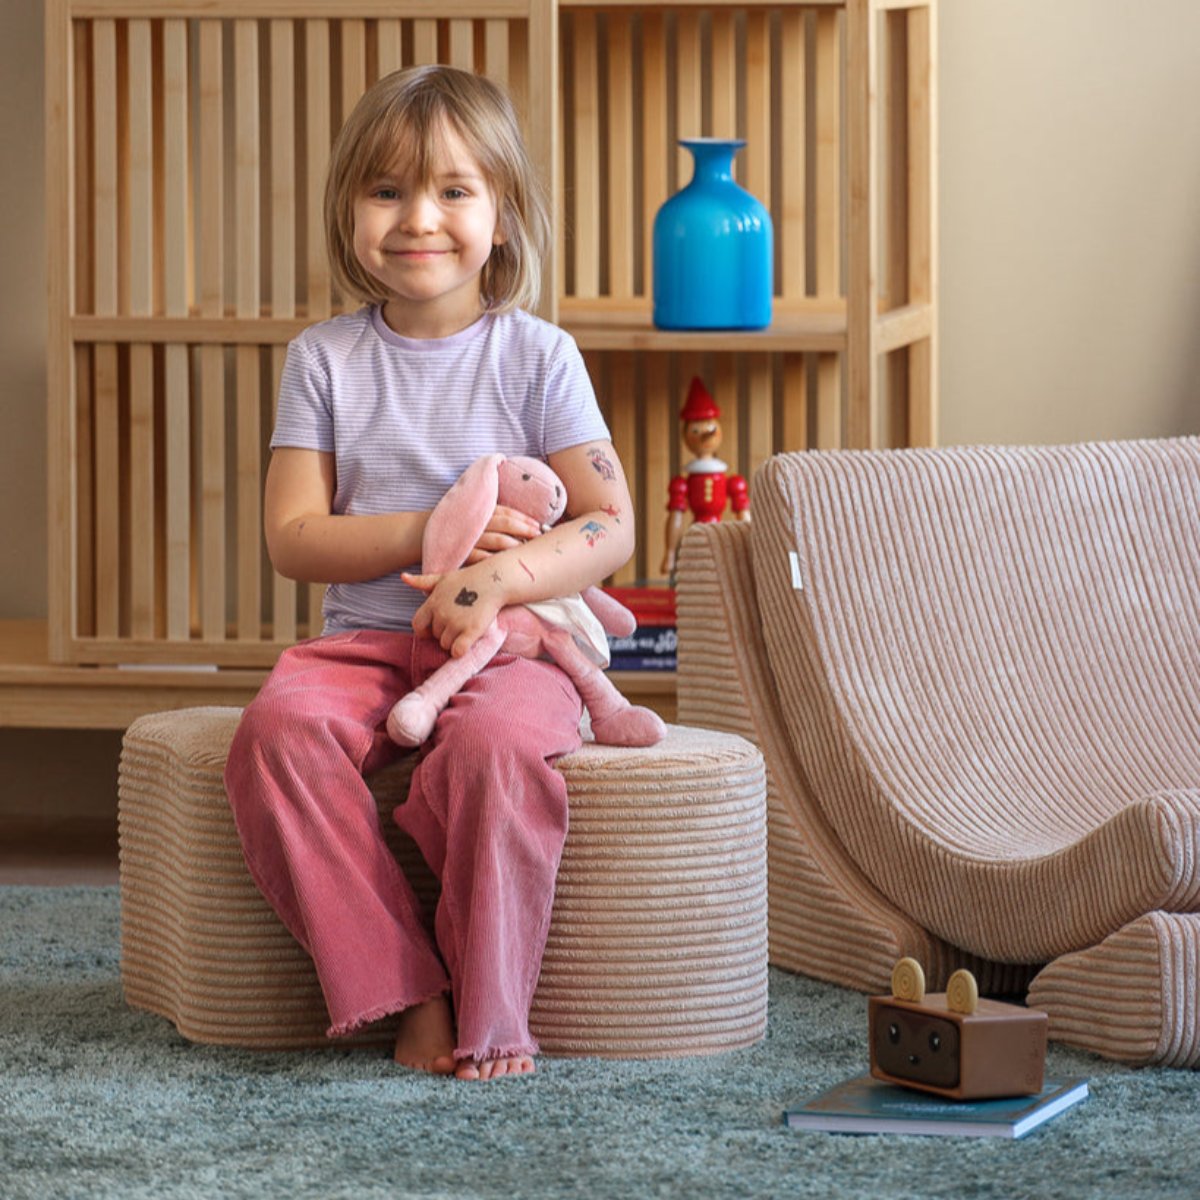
x: 495, y: 1068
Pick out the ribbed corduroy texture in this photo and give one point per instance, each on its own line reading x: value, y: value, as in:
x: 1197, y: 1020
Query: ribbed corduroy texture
x: 826, y: 918
x: 992, y: 677
x: 1133, y: 997
x: 975, y: 676
x: 657, y: 944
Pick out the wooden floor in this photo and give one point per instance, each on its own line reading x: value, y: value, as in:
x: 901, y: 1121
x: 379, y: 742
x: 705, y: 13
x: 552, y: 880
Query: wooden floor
x: 42, y: 858
x: 58, y: 872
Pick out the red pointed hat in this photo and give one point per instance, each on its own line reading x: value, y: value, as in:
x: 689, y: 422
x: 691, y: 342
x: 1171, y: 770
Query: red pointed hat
x: 699, y: 406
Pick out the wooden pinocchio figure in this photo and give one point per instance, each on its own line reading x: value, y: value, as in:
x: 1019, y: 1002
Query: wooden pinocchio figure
x: 704, y: 488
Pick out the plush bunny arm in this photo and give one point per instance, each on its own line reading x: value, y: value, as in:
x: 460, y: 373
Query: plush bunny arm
x: 613, y: 615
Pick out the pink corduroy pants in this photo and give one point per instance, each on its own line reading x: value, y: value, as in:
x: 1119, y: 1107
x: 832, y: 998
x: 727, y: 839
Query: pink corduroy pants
x: 486, y: 808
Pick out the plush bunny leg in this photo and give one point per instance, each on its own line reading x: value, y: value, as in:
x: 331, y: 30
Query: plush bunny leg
x: 615, y: 722
x: 413, y: 716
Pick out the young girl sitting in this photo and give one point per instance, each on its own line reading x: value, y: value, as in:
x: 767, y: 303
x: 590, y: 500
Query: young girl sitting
x: 435, y: 219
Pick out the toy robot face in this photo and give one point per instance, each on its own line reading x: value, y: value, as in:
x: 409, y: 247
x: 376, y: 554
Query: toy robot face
x: 916, y: 1046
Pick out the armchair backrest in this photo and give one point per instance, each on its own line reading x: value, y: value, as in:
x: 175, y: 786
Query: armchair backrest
x: 1031, y: 614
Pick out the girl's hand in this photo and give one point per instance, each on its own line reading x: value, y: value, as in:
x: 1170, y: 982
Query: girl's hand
x: 459, y: 608
x: 506, y: 529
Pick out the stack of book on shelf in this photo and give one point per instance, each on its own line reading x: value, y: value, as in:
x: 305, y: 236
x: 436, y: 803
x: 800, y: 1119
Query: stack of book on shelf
x: 652, y: 646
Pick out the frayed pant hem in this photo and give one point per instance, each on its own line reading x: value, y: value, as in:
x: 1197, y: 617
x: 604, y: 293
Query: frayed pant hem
x: 345, y: 1028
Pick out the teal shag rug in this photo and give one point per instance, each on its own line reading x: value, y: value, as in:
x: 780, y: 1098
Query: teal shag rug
x: 98, y: 1100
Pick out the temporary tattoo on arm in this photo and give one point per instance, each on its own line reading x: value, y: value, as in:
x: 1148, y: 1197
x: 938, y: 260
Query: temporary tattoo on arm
x: 466, y: 598
x: 495, y: 576
x: 602, y: 464
x: 612, y: 510
x: 525, y: 569
x: 593, y: 531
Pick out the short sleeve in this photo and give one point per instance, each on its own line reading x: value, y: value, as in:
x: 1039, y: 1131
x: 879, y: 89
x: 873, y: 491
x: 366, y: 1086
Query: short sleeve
x: 304, y: 413
x: 572, y: 414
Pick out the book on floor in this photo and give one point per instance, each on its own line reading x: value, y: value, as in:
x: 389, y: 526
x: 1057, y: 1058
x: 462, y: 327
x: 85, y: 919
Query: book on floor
x: 867, y: 1105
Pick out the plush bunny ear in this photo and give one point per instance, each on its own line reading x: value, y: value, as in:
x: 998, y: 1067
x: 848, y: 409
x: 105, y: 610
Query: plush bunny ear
x: 461, y: 516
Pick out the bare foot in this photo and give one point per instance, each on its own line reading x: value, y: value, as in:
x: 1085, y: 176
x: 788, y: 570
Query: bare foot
x: 425, y: 1039
x: 495, y: 1068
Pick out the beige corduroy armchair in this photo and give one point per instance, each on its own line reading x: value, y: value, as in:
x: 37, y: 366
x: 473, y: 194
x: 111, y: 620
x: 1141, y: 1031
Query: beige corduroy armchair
x: 975, y: 678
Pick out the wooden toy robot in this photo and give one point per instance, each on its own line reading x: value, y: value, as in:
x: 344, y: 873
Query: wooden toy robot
x: 952, y: 1043
x: 704, y: 488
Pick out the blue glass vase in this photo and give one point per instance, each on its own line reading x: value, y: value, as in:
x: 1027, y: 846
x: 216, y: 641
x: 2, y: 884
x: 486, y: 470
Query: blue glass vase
x: 713, y: 256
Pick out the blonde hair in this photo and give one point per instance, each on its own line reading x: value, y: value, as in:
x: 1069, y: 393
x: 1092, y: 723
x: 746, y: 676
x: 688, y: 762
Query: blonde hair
x: 402, y: 118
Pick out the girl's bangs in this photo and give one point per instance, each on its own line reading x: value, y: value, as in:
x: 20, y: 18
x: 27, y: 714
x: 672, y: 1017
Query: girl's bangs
x: 396, y: 142
x: 406, y: 141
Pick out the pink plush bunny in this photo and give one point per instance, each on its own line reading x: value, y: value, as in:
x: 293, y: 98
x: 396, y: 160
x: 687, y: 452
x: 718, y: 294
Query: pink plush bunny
x: 569, y: 631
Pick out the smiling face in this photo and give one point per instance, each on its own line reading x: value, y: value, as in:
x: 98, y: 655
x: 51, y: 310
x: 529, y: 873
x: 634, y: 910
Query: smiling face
x: 427, y: 240
x: 916, y: 1046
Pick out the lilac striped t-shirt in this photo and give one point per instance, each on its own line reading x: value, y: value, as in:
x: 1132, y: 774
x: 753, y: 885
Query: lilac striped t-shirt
x: 405, y: 417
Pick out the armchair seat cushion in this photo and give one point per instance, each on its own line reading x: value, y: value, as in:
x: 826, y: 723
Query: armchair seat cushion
x: 1133, y: 997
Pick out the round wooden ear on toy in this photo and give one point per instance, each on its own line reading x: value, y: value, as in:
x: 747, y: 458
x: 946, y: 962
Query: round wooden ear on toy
x: 908, y: 981
x: 962, y: 993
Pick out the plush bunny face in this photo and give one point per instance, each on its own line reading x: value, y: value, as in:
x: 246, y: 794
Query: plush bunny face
x: 531, y: 487
x: 460, y: 517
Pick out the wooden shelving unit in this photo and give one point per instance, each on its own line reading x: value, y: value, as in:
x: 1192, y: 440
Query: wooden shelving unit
x: 186, y: 146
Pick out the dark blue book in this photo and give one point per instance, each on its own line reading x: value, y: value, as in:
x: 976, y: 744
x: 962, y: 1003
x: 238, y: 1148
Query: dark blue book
x: 649, y: 640
x: 867, y: 1105
x: 642, y: 662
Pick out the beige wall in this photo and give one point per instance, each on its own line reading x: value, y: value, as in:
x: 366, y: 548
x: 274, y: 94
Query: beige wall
x: 1070, y: 219
x: 1070, y: 247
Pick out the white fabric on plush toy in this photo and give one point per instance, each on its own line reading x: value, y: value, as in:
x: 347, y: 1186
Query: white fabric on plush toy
x: 572, y: 614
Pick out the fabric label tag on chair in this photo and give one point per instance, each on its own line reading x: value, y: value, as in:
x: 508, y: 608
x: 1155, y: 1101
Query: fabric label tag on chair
x: 797, y: 581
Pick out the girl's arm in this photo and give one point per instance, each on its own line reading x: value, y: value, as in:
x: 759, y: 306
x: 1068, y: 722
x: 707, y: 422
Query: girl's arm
x: 596, y: 539
x: 308, y: 542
